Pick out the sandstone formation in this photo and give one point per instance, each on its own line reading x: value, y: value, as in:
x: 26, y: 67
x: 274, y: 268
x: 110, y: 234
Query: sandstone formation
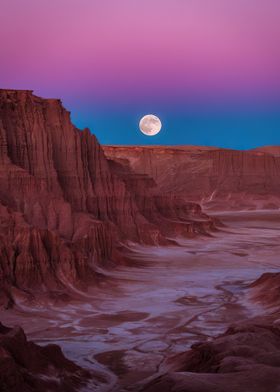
x: 180, y: 217
x: 27, y: 367
x: 217, y: 178
x: 245, y: 358
x: 64, y: 207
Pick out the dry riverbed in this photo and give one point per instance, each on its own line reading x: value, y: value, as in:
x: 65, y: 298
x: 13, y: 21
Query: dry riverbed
x: 125, y: 328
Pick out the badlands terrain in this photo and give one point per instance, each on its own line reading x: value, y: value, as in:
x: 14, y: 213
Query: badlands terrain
x: 134, y: 268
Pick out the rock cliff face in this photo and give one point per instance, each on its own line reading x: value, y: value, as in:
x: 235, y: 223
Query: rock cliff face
x: 64, y: 207
x: 180, y: 217
x: 217, y: 178
x: 27, y: 367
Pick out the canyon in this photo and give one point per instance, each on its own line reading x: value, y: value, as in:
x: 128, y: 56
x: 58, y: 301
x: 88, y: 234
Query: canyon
x: 180, y: 319
x: 152, y: 268
x: 216, y: 178
x: 65, y: 209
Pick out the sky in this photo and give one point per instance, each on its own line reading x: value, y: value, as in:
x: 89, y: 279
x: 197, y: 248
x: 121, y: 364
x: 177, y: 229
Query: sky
x: 208, y: 68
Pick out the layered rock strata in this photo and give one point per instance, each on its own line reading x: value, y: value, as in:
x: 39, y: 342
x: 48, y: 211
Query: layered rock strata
x: 218, y: 178
x: 65, y: 208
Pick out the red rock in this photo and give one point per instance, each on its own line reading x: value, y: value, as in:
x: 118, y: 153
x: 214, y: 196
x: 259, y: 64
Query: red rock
x: 179, y: 217
x: 217, y: 178
x: 27, y: 367
x: 64, y: 207
x: 245, y: 358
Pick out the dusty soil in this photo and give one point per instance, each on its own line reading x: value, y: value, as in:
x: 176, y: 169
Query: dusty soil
x: 126, y: 327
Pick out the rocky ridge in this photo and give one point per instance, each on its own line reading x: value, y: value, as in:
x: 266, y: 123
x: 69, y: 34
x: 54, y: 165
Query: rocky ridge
x: 217, y: 178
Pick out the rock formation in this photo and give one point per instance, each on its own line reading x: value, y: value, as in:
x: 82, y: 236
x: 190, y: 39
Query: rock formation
x: 64, y: 207
x: 266, y: 290
x: 181, y: 217
x: 245, y: 358
x: 27, y: 367
x: 217, y: 178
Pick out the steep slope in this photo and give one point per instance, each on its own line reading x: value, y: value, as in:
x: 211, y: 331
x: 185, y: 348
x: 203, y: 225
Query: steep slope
x: 217, y: 178
x: 180, y: 217
x: 27, y: 367
x: 64, y: 208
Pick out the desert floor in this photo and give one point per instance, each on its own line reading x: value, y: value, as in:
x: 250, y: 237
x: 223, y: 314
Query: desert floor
x: 172, y: 297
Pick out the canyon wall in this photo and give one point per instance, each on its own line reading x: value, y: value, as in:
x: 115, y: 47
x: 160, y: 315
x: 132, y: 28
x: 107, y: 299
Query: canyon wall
x: 217, y: 178
x: 64, y: 207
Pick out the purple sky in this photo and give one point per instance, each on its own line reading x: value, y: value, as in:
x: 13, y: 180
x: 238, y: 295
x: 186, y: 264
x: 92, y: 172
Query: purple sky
x: 119, y: 59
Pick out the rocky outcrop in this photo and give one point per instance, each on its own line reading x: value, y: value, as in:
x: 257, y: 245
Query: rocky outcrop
x: 27, y: 367
x: 50, y: 170
x: 217, y: 178
x: 64, y: 207
x: 245, y: 358
x: 266, y: 290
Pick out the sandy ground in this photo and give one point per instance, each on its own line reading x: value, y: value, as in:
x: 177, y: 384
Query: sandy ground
x: 126, y: 328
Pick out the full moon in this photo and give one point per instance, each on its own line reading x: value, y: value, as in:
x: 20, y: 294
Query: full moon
x: 150, y: 125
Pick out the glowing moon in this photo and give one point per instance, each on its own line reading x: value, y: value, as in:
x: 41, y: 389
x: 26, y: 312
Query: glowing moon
x: 150, y: 125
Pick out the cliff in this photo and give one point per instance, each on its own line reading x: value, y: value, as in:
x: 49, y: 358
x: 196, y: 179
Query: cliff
x: 64, y: 207
x: 180, y: 217
x: 217, y: 178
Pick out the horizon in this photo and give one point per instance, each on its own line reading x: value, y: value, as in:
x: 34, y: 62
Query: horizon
x: 211, y: 146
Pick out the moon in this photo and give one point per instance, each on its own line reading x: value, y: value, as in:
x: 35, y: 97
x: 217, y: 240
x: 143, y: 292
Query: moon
x: 150, y: 125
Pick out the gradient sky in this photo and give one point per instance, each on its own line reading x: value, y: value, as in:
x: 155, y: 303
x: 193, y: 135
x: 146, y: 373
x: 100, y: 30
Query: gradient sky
x: 210, y: 69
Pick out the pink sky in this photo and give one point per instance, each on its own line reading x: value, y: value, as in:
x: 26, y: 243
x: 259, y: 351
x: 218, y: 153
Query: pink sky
x: 124, y: 48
